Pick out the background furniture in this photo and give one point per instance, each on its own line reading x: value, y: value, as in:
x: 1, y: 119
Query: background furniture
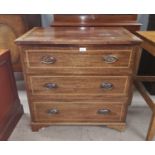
x: 147, y: 63
x: 149, y: 45
x: 79, y: 75
x: 11, y: 27
x: 127, y: 21
x: 10, y: 107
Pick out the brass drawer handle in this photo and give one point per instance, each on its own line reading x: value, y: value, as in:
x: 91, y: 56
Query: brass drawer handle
x: 50, y: 85
x: 106, y: 86
x: 52, y: 111
x: 110, y: 59
x: 48, y: 60
x: 103, y: 111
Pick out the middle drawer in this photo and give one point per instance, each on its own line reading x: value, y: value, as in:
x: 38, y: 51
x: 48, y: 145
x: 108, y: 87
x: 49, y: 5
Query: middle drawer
x: 79, y: 85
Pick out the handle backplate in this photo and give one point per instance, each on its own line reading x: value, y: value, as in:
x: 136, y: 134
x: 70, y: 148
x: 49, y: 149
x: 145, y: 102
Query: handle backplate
x: 106, y: 86
x: 103, y: 111
x: 52, y: 111
x: 48, y: 59
x: 110, y: 59
x: 50, y: 85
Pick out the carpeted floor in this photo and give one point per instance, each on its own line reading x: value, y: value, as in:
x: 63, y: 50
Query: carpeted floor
x: 137, y: 124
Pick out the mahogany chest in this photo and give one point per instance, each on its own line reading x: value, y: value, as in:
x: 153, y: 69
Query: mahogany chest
x: 79, y: 75
x: 10, y: 107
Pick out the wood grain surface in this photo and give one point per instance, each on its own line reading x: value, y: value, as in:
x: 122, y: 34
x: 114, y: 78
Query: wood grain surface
x: 10, y: 107
x: 78, y: 35
x: 128, y: 21
x: 79, y: 112
x: 66, y: 69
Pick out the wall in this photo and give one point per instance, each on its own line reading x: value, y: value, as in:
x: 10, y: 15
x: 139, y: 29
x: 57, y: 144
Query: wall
x: 46, y: 20
x: 143, y: 18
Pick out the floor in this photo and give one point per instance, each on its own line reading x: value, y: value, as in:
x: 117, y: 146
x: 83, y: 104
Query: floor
x: 137, y: 124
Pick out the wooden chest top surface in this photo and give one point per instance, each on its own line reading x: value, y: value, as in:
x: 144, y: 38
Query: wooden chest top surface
x: 78, y: 35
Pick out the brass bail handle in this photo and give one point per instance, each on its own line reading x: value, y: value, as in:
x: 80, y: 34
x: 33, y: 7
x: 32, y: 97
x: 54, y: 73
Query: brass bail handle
x: 53, y: 111
x: 110, y: 59
x: 50, y: 85
x: 48, y: 59
x: 103, y: 111
x: 106, y: 86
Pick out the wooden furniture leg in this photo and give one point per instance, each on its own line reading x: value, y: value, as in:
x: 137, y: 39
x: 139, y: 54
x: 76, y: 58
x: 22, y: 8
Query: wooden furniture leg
x: 151, y: 130
x: 120, y: 128
x: 149, y: 101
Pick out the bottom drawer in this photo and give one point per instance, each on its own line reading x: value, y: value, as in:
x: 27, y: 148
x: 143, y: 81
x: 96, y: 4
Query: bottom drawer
x: 79, y: 112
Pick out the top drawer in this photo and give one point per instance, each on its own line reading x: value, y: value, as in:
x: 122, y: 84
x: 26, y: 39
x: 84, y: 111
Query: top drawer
x: 79, y: 61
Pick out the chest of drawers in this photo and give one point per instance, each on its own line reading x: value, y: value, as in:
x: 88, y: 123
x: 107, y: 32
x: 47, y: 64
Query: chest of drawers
x: 79, y: 75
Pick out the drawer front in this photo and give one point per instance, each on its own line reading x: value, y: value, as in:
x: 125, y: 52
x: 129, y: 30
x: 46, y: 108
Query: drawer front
x: 78, y: 85
x: 76, y: 62
x: 79, y: 112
